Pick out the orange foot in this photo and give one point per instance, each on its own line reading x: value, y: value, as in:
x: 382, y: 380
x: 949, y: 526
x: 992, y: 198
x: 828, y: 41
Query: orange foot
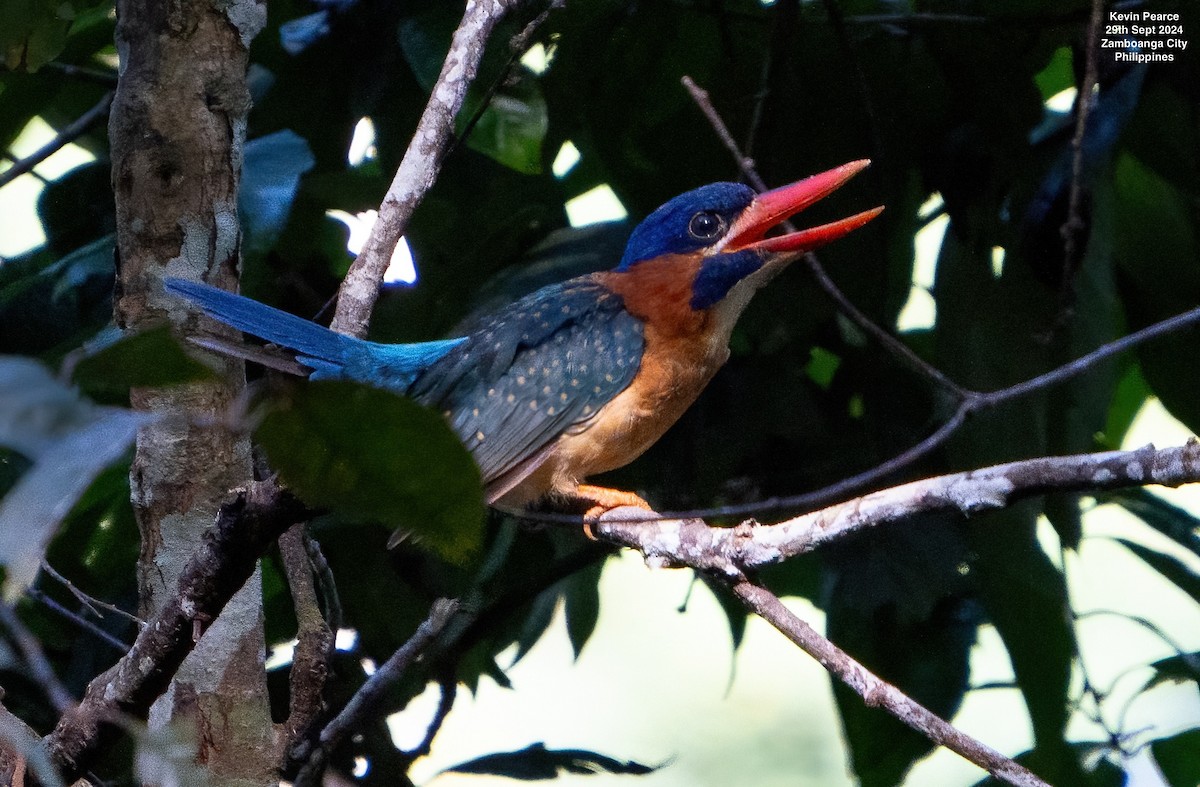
x: 600, y: 499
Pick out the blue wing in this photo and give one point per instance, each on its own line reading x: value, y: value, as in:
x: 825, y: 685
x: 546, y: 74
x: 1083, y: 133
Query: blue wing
x: 534, y: 370
x: 331, y: 355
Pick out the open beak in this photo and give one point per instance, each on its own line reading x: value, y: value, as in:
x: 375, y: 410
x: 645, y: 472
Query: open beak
x: 771, y: 208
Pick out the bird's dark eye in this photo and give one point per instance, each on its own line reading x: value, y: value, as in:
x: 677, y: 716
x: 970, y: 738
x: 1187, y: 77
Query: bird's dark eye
x: 706, y: 225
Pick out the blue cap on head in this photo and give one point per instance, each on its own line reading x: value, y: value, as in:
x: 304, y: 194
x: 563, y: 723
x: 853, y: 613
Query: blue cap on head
x: 665, y: 231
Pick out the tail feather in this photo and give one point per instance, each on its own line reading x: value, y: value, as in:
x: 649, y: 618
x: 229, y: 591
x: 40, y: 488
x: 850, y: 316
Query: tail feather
x: 331, y: 355
x: 265, y: 322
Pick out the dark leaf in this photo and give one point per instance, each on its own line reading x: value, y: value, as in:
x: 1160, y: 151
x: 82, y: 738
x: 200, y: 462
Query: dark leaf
x: 94, y: 260
x: 1171, y: 568
x: 1131, y: 393
x: 1157, y: 244
x: 537, y: 763
x: 1025, y: 597
x: 535, y: 622
x: 581, y: 598
x: 1178, y: 758
x: 1103, y: 773
x: 908, y: 622
x: 377, y: 456
x: 1177, y: 524
x: 1184, y: 667
x: 735, y: 612
x: 148, y: 359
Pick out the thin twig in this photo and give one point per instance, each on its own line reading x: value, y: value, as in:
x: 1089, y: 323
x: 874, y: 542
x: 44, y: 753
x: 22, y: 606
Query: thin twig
x: 66, y: 136
x: 90, y: 602
x: 35, y: 659
x: 221, y: 565
x: 77, y: 619
x: 106, y: 77
x: 331, y: 601
x: 875, y: 692
x: 420, y: 166
x: 518, y: 45
x: 367, y: 698
x: 448, y: 686
x: 1084, y: 101
x: 746, y: 165
x: 733, y: 551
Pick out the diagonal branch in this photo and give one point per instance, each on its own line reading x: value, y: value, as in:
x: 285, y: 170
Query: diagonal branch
x: 314, y: 639
x: 366, y: 699
x: 728, y: 554
x: 877, y: 693
x: 226, y: 559
x: 69, y: 134
x: 749, y: 546
x: 420, y: 166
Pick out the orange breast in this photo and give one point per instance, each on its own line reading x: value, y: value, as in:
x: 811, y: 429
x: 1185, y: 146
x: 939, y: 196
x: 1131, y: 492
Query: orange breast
x: 683, y: 350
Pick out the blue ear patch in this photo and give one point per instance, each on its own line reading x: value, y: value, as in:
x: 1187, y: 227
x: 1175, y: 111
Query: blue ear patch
x: 665, y: 231
x: 719, y: 273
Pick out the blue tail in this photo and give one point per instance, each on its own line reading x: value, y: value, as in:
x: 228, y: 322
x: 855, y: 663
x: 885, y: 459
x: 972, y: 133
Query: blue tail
x: 332, y: 356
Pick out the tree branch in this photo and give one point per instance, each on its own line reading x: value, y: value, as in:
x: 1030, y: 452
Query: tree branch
x: 69, y: 134
x: 420, y: 165
x: 731, y: 551
x: 314, y: 640
x: 227, y: 557
x: 367, y: 698
x: 22, y: 753
x: 90, y: 603
x: 1084, y: 101
x: 728, y: 554
x: 877, y: 693
x: 77, y: 619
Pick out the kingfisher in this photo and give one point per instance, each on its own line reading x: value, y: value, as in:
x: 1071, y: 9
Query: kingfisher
x: 580, y: 377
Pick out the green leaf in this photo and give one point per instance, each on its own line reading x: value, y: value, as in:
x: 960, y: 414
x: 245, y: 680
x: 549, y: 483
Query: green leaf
x: 1178, y: 758
x: 1127, y: 400
x: 1174, y: 570
x: 537, y: 763
x: 34, y: 32
x: 512, y: 127
x: 1057, y: 75
x: 373, y: 455
x: 148, y: 359
x: 70, y: 440
x: 1157, y: 245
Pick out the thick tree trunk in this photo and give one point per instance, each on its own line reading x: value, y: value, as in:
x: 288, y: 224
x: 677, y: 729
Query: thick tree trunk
x: 177, y: 130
